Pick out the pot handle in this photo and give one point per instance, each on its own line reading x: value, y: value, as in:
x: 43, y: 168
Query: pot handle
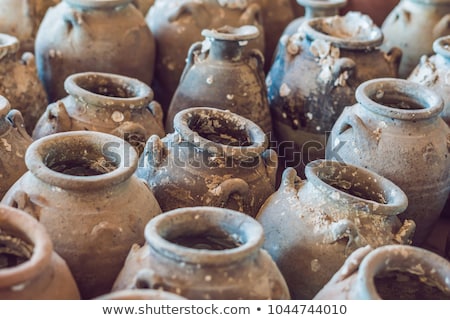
x: 72, y: 18
x: 290, y: 180
x: 198, y: 11
x: 16, y: 119
x: 270, y: 158
x: 155, y: 151
x: 343, y: 65
x: 345, y: 229
x: 223, y: 192
x: 349, y: 120
x: 23, y: 201
x: 157, y: 111
x: 147, y: 279
x: 442, y: 28
x: 404, y: 16
x: 394, y: 57
x: 252, y: 14
x: 55, y: 114
x: 193, y: 52
x: 406, y: 232
x: 133, y: 133
x: 256, y: 55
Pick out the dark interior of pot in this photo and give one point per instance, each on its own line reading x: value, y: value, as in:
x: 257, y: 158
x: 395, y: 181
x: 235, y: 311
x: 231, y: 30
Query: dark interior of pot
x: 213, y: 239
x: 14, y: 250
x: 396, y: 100
x: 108, y: 87
x: 401, y: 285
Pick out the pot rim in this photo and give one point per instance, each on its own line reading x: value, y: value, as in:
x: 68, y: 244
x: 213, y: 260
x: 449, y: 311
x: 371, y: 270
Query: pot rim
x: 8, y: 44
x: 204, y: 218
x: 108, y: 145
x: 432, y: 103
x: 321, y: 4
x: 229, y: 33
x: 97, y: 4
x: 41, y: 257
x: 441, y: 46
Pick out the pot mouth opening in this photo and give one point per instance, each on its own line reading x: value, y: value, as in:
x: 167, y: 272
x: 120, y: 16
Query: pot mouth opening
x: 14, y: 249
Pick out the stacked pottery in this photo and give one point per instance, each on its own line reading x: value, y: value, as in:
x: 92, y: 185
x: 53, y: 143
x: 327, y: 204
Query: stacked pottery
x: 217, y: 73
x: 413, y: 26
x: 88, y: 35
x: 80, y: 186
x: 107, y: 103
x: 312, y: 226
x: 204, y: 253
x: 395, y: 130
x: 19, y: 81
x: 29, y: 268
x: 214, y: 158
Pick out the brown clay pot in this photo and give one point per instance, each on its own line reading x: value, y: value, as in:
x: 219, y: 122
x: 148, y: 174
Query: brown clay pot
x: 204, y: 253
x: 29, y: 268
x: 80, y: 186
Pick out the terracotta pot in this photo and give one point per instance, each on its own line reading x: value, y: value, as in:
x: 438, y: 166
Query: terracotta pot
x: 394, y: 272
x: 214, y: 158
x: 140, y: 294
x: 15, y: 141
x: 80, y: 186
x: 106, y: 103
x: 98, y: 36
x: 204, y: 253
x: 21, y: 18
x: 29, y: 268
x: 233, y: 82
x: 177, y: 24
x: 411, y: 20
x: 19, y: 81
x: 312, y: 226
x: 377, y: 10
x: 395, y: 130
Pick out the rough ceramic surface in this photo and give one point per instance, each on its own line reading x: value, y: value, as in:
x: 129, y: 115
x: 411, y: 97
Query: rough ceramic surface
x: 434, y: 72
x: 312, y: 226
x: 177, y: 24
x: 217, y: 74
x: 214, y: 158
x: 15, y: 141
x: 141, y: 294
x: 378, y: 10
x: 80, y: 186
x: 393, y: 272
x: 107, y: 103
x: 21, y: 18
x: 412, y: 20
x: 29, y: 268
x: 316, y: 74
x: 19, y: 81
x: 98, y: 36
x: 204, y: 253
x: 395, y: 130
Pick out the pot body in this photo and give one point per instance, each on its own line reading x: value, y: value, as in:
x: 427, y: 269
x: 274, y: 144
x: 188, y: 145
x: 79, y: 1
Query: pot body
x: 312, y: 226
x: 416, y: 19
x: 81, y: 187
x: 204, y: 253
x: 81, y: 36
x: 395, y: 130
x: 214, y: 158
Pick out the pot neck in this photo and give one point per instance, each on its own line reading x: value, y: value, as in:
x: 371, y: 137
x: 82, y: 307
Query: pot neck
x: 321, y: 8
x: 9, y: 46
x: 441, y: 46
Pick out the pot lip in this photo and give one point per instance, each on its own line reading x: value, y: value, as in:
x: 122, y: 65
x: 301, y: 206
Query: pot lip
x: 321, y: 4
x: 229, y: 33
x: 8, y: 44
x: 441, y: 46
x: 396, y: 198
x: 42, y: 247
x: 108, y: 144
x: 350, y: 43
x: 255, y: 133
x: 241, y: 225
x: 144, y: 94
x: 433, y: 104
x: 97, y: 3
x: 376, y: 262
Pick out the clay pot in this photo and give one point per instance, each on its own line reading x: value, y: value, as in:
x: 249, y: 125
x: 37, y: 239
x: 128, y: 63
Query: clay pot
x: 411, y: 20
x: 88, y: 35
x: 377, y: 10
x: 204, y: 253
x: 19, y: 81
x: 80, y: 186
x: 15, y: 141
x: 218, y: 74
x: 433, y: 72
x: 395, y: 130
x: 21, y: 18
x: 140, y: 294
x: 312, y: 226
x: 394, y: 272
x: 177, y: 24
x: 29, y: 268
x: 214, y: 158
x: 106, y: 103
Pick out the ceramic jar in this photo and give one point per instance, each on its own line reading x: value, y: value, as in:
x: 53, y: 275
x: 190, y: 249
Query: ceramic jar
x: 19, y: 81
x: 413, y: 26
x: 394, y: 272
x: 89, y: 35
x: 177, y: 24
x: 395, y: 130
x: 311, y: 226
x: 204, y: 253
x: 214, y: 158
x: 107, y: 103
x: 21, y: 19
x: 80, y: 186
x: 317, y: 77
x: 15, y: 141
x: 434, y: 72
x: 218, y: 74
x: 377, y: 10
x: 29, y: 268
